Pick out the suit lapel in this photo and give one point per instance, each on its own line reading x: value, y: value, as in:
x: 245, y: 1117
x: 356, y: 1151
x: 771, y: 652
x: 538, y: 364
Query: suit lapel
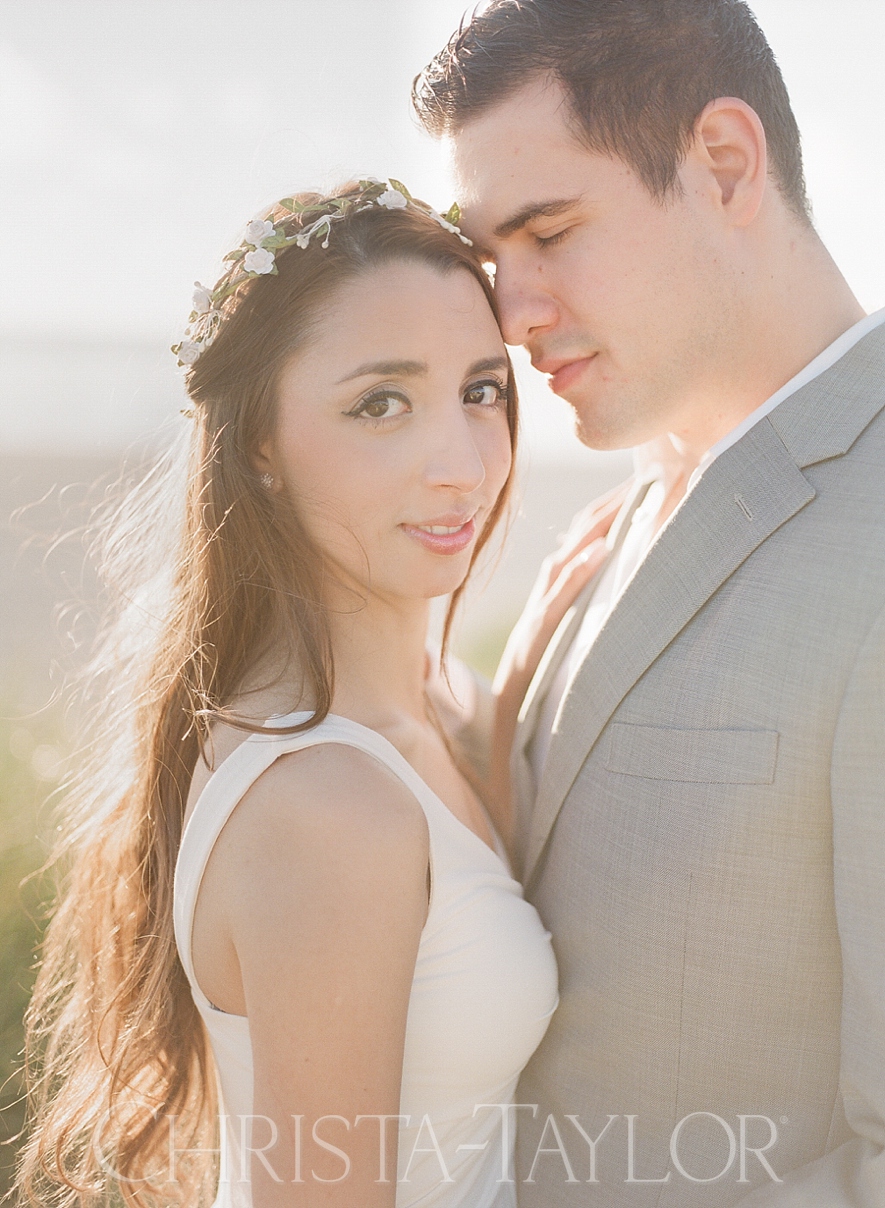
x: 749, y: 492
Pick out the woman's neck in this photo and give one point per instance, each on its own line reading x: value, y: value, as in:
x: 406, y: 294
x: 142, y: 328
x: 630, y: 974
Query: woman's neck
x: 379, y: 652
x: 379, y: 656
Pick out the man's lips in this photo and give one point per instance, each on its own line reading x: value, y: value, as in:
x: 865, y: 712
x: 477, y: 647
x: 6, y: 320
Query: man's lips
x: 564, y: 371
x: 444, y: 535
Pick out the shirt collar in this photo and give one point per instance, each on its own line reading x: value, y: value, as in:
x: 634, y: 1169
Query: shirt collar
x: 823, y: 361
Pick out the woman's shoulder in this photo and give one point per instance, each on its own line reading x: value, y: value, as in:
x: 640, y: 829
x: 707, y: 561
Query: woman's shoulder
x: 327, y: 838
x: 323, y: 809
x: 332, y: 784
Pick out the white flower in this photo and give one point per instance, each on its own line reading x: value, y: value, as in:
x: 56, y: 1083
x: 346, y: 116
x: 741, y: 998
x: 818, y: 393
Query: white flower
x: 443, y: 222
x: 323, y: 223
x: 202, y: 299
x: 259, y: 261
x: 257, y: 231
x: 392, y: 199
x: 189, y: 352
x: 449, y: 226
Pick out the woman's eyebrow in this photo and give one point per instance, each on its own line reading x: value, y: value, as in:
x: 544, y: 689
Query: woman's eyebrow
x: 415, y: 368
x: 487, y: 364
x: 386, y: 369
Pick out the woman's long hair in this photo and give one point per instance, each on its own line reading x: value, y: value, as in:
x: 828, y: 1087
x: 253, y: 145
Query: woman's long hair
x: 207, y: 572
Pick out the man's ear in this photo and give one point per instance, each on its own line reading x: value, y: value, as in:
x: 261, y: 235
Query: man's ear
x: 731, y: 151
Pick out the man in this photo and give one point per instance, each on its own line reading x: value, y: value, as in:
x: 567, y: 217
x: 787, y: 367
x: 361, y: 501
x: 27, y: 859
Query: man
x: 700, y: 757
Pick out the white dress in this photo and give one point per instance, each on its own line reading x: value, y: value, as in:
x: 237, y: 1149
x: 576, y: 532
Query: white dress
x: 484, y: 988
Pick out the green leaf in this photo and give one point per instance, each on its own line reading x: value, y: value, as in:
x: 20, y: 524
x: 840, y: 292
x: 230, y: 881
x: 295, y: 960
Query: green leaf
x: 400, y: 188
x: 289, y: 203
x: 236, y: 254
x: 453, y: 214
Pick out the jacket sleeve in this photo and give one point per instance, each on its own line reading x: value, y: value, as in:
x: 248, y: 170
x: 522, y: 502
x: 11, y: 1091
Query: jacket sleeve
x: 853, y: 1174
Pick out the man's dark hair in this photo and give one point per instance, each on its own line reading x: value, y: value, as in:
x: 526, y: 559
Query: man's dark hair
x: 638, y: 74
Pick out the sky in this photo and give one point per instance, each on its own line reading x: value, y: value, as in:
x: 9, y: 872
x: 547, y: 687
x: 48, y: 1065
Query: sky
x: 136, y: 138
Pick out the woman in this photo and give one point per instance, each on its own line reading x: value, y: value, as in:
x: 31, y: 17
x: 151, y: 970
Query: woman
x: 282, y: 870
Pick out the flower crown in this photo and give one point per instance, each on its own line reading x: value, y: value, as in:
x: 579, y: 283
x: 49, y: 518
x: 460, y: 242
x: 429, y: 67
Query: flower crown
x: 256, y: 255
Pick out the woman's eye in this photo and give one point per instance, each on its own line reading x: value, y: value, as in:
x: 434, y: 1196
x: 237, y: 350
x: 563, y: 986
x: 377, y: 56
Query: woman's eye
x: 485, y: 394
x: 381, y: 406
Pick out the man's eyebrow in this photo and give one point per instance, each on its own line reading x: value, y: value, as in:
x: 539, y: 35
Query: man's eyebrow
x: 538, y: 209
x: 386, y: 369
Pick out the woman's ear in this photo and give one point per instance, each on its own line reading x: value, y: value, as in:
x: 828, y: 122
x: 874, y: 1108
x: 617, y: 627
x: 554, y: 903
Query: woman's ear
x: 731, y: 151
x: 264, y: 465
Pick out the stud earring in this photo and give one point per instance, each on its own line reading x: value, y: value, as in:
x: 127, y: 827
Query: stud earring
x: 267, y: 481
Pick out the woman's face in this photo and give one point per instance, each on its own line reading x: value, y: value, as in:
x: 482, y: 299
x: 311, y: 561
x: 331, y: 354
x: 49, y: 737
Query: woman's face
x: 392, y: 436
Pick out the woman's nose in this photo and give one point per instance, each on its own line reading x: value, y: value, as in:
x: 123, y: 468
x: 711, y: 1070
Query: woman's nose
x: 453, y: 457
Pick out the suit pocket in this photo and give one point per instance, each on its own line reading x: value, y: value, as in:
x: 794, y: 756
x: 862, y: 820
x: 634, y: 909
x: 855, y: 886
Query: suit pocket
x: 693, y: 756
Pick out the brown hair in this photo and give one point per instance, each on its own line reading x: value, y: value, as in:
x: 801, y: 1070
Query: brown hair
x: 115, y: 1046
x: 638, y: 74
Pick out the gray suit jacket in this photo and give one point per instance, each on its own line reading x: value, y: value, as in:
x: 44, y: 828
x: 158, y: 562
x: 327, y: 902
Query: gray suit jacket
x: 707, y: 844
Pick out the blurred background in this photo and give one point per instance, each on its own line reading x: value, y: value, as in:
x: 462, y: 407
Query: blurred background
x: 135, y: 141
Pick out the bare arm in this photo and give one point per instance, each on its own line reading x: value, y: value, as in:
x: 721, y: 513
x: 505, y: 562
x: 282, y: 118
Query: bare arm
x: 326, y: 912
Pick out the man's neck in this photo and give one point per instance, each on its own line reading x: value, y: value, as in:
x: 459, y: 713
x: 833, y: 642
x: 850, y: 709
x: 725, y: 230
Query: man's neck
x: 799, y: 304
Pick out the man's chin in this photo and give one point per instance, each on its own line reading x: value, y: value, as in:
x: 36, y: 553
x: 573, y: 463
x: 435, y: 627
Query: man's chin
x: 604, y: 438
x: 598, y: 425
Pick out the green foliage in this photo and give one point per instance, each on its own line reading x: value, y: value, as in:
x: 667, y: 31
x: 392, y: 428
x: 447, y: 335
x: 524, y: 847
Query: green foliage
x: 453, y: 214
x: 29, y: 756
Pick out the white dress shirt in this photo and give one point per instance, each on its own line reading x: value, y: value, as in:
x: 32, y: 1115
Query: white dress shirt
x: 660, y: 463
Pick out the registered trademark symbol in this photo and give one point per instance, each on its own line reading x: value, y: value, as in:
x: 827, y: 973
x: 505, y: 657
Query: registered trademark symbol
x: 785, y: 1119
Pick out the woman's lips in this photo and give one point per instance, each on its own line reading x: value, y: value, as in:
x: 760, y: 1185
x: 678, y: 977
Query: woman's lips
x: 442, y: 538
x: 569, y: 374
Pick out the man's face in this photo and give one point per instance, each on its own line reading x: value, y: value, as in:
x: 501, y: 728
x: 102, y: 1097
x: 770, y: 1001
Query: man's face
x: 628, y: 303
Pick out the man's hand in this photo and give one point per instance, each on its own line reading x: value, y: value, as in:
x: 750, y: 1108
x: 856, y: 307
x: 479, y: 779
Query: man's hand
x: 562, y: 577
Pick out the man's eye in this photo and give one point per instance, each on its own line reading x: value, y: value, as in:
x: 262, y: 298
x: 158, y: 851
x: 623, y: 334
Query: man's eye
x: 381, y: 405
x: 486, y: 394
x: 551, y: 240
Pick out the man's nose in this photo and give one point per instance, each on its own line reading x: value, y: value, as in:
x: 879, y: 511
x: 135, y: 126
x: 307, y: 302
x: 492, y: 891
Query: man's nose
x: 526, y: 308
